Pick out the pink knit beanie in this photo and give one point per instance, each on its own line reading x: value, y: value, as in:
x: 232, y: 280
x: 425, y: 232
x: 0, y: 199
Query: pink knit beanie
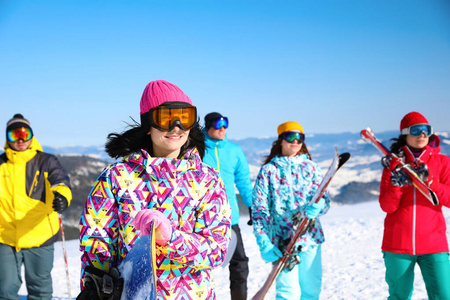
x: 412, y: 118
x: 159, y: 91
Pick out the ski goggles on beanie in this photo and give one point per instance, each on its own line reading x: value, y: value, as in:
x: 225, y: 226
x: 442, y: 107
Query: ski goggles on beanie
x: 21, y: 133
x: 418, y: 129
x: 220, y: 122
x: 291, y: 136
x: 170, y: 114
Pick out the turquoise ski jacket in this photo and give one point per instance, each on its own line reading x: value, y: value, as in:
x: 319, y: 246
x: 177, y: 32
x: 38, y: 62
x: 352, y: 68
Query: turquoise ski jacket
x: 229, y: 161
x: 284, y: 187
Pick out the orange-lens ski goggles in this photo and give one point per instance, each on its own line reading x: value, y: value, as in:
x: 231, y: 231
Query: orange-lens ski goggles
x: 22, y: 133
x: 168, y: 115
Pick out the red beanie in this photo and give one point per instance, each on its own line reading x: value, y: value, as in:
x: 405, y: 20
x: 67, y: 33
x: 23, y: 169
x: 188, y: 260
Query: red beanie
x: 159, y: 91
x: 412, y: 118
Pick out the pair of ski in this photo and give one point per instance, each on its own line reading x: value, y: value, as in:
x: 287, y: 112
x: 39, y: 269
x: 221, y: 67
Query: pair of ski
x: 368, y: 136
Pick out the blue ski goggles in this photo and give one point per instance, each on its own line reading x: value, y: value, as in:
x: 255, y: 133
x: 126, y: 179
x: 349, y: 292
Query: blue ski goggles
x: 220, y: 122
x: 418, y: 129
x: 291, y: 136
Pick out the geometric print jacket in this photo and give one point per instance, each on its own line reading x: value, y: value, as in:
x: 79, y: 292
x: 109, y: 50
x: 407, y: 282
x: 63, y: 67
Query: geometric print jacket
x: 283, y: 188
x: 189, y: 193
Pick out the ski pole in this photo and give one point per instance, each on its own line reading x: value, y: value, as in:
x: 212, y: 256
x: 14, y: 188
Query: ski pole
x: 63, y: 240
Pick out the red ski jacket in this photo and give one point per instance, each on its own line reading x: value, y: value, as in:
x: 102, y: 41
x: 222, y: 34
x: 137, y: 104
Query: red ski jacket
x: 412, y: 224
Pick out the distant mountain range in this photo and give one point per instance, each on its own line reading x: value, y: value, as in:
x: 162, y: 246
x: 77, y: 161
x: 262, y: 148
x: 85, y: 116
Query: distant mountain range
x: 357, y: 181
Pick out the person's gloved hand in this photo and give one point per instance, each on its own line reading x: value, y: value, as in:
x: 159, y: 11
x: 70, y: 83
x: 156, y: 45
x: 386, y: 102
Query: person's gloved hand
x: 270, y: 253
x: 400, y: 178
x: 390, y: 163
x: 60, y: 203
x: 250, y: 221
x: 163, y: 228
x: 313, y: 210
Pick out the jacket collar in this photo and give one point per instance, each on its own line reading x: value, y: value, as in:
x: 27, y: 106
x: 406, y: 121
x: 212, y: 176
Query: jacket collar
x: 433, y: 147
x: 158, y: 165
x: 285, y: 161
x: 23, y: 156
x: 211, y: 143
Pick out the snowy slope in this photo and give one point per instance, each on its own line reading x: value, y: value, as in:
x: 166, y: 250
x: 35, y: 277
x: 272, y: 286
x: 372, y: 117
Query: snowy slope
x: 352, y: 262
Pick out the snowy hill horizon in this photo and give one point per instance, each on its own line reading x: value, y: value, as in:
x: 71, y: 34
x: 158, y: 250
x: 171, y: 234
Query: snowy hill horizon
x: 357, y: 182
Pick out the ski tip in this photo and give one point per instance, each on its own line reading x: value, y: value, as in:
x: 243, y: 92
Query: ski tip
x: 366, y: 131
x: 343, y: 158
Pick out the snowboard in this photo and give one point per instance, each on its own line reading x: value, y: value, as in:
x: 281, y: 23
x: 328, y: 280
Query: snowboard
x: 139, y: 270
x: 368, y: 136
x: 279, y: 265
x: 231, y: 249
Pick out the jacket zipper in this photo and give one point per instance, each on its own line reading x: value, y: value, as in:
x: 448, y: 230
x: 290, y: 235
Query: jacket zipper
x: 414, y: 224
x: 34, y: 184
x: 217, y: 157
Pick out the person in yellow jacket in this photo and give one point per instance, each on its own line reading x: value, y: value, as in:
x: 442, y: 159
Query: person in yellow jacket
x: 34, y: 188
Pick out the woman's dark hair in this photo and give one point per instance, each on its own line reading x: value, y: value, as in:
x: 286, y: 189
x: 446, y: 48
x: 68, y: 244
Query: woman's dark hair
x: 136, y: 138
x: 398, y: 143
x: 276, y: 150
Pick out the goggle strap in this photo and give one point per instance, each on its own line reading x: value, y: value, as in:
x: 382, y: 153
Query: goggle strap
x: 145, y: 120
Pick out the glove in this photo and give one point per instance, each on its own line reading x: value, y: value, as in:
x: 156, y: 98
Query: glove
x: 270, y: 253
x: 60, y: 203
x: 163, y: 228
x: 390, y: 163
x: 400, y: 178
x: 108, y: 286
x: 313, y: 210
x: 250, y: 221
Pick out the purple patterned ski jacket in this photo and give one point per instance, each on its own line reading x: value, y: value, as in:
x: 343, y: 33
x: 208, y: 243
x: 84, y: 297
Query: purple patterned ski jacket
x: 191, y: 196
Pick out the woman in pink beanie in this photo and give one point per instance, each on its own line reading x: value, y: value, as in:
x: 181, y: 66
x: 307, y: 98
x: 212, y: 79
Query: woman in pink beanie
x: 415, y: 229
x: 160, y: 179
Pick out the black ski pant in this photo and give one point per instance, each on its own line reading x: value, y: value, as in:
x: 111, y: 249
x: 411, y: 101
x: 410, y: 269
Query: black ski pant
x: 238, y: 269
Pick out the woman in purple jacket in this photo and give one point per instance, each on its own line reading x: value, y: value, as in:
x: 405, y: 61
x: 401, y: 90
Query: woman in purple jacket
x: 162, y: 178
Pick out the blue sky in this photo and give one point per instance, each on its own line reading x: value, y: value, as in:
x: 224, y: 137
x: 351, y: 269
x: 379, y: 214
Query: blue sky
x: 77, y: 69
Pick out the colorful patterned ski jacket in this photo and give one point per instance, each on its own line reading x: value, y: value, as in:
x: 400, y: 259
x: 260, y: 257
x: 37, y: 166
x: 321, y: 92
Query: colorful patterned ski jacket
x: 412, y: 224
x: 283, y: 188
x: 27, y: 182
x: 192, y: 197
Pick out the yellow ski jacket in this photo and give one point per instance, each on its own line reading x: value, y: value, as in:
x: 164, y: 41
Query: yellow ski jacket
x: 27, y: 182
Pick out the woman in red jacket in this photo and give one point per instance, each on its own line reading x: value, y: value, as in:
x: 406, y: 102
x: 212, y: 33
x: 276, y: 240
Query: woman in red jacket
x: 414, y: 228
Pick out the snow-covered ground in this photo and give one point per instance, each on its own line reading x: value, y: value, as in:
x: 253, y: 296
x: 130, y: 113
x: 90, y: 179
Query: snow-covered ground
x: 353, y: 267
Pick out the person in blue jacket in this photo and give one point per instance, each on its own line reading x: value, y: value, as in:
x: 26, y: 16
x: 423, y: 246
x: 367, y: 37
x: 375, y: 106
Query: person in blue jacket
x: 229, y: 160
x: 283, y: 188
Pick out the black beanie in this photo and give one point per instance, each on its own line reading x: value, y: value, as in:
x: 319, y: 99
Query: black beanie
x: 17, y: 121
x: 210, y: 118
